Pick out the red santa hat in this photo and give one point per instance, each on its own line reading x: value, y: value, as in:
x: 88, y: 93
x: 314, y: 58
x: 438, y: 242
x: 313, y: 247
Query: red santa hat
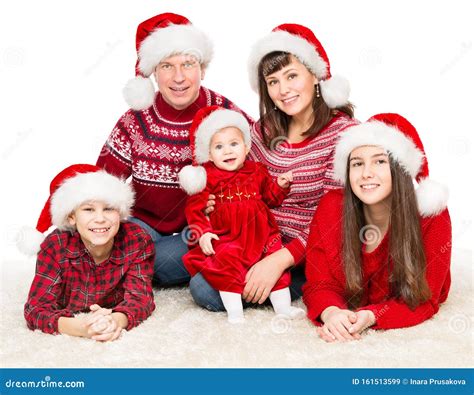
x: 69, y: 189
x: 157, y: 38
x: 302, y: 43
x: 206, y: 122
x: 400, y: 138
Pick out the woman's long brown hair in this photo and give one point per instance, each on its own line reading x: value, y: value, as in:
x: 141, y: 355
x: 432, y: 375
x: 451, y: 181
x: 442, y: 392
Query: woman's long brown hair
x: 275, y: 123
x: 406, y: 262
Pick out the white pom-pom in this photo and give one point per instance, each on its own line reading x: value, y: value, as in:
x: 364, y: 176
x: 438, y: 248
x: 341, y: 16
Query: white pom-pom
x: 29, y: 240
x: 432, y: 197
x: 193, y: 179
x: 139, y: 93
x: 335, y: 91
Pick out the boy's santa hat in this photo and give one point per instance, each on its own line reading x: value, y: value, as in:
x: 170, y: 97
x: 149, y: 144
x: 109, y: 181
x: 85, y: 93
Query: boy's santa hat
x: 157, y: 38
x: 69, y: 189
x: 301, y: 42
x: 207, y: 121
x: 400, y: 138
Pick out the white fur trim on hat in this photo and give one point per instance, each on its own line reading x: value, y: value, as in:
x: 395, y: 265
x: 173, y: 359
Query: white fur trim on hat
x: 97, y: 186
x: 139, y: 93
x: 193, y: 179
x: 335, y: 91
x: 29, y: 240
x: 402, y: 149
x: 283, y: 41
x: 173, y: 40
x: 214, y: 122
x: 432, y: 197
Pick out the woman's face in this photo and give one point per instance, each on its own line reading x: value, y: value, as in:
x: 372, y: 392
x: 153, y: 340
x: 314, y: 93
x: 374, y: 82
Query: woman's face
x: 369, y: 174
x: 292, y: 88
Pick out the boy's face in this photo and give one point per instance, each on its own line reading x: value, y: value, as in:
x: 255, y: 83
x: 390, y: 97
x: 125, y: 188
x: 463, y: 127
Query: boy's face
x: 96, y: 222
x: 228, y: 149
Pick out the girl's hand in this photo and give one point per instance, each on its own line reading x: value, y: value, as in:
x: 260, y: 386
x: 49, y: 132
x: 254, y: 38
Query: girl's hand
x: 112, y: 331
x: 365, y: 319
x: 211, y: 202
x: 336, y: 325
x: 205, y: 242
x: 284, y: 180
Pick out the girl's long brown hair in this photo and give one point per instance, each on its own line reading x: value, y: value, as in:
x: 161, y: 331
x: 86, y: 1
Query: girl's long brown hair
x: 275, y: 123
x: 406, y: 262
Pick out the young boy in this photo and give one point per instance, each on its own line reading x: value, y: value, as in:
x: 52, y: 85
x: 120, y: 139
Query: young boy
x: 92, y: 262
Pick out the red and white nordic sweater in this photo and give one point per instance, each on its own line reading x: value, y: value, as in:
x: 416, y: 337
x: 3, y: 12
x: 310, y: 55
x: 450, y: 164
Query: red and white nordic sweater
x: 311, y: 163
x: 326, y: 279
x: 152, y: 146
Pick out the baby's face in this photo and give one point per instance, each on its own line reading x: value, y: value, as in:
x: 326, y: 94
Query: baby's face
x: 228, y: 149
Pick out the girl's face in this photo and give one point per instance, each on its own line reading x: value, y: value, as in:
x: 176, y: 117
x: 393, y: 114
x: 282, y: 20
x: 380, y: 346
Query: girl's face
x: 292, y: 88
x: 369, y: 174
x: 228, y: 149
x: 96, y: 222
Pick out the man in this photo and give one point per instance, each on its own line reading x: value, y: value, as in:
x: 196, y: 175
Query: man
x: 150, y: 142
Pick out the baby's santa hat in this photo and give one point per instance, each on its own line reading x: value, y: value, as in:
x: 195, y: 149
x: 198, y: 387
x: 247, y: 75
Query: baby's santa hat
x: 301, y: 42
x: 401, y: 140
x: 206, y: 122
x: 157, y: 38
x: 69, y: 189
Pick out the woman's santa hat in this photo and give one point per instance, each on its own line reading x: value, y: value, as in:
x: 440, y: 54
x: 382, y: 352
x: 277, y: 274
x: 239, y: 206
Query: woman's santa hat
x: 400, y: 138
x: 302, y: 43
x: 157, y: 38
x: 69, y: 189
x: 206, y: 123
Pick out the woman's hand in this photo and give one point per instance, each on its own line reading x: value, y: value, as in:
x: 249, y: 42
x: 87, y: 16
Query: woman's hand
x: 337, y: 323
x: 211, y: 202
x: 205, y: 242
x: 284, y: 180
x: 262, y: 276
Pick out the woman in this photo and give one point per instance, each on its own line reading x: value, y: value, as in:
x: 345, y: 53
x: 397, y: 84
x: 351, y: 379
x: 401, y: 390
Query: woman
x: 378, y: 253
x: 303, y: 110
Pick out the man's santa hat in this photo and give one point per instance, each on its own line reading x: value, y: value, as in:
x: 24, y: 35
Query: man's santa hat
x: 401, y: 140
x: 69, y: 189
x: 206, y: 122
x: 157, y: 38
x: 302, y: 43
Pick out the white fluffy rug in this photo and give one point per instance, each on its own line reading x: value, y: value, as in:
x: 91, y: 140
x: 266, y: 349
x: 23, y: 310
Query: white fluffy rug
x: 180, y: 334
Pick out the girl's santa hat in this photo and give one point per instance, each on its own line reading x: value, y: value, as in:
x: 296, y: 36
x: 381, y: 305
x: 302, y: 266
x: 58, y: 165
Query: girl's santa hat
x: 157, y: 38
x: 207, y: 121
x: 400, y: 138
x: 69, y: 189
x: 301, y: 42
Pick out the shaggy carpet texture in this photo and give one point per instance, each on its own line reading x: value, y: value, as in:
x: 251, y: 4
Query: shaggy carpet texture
x: 180, y: 334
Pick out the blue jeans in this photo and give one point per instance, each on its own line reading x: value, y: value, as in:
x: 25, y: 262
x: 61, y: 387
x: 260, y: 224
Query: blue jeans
x: 206, y: 296
x: 169, y: 250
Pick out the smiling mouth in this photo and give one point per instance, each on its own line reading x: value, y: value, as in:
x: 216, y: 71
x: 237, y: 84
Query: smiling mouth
x: 99, y: 230
x: 178, y: 89
x: 229, y: 160
x: 368, y: 187
x: 290, y: 100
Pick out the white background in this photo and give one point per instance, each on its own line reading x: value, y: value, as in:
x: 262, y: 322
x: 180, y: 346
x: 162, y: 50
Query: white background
x: 63, y: 65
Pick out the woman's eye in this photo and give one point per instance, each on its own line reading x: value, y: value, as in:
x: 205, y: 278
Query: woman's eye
x: 291, y: 76
x: 271, y: 82
x: 109, y: 209
x: 381, y: 161
x: 356, y: 164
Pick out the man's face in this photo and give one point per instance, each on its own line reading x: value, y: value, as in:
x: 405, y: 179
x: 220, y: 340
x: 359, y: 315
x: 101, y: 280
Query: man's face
x: 179, y: 80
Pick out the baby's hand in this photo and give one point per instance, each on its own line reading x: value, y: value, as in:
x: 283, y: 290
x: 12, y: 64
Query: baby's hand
x: 205, y: 242
x: 285, y: 179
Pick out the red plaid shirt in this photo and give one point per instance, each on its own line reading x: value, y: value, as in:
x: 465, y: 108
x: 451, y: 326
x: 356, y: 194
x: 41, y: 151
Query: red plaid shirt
x: 68, y: 281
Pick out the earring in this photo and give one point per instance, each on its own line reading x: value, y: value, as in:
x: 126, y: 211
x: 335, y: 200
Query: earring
x: 275, y: 108
x: 317, y: 91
